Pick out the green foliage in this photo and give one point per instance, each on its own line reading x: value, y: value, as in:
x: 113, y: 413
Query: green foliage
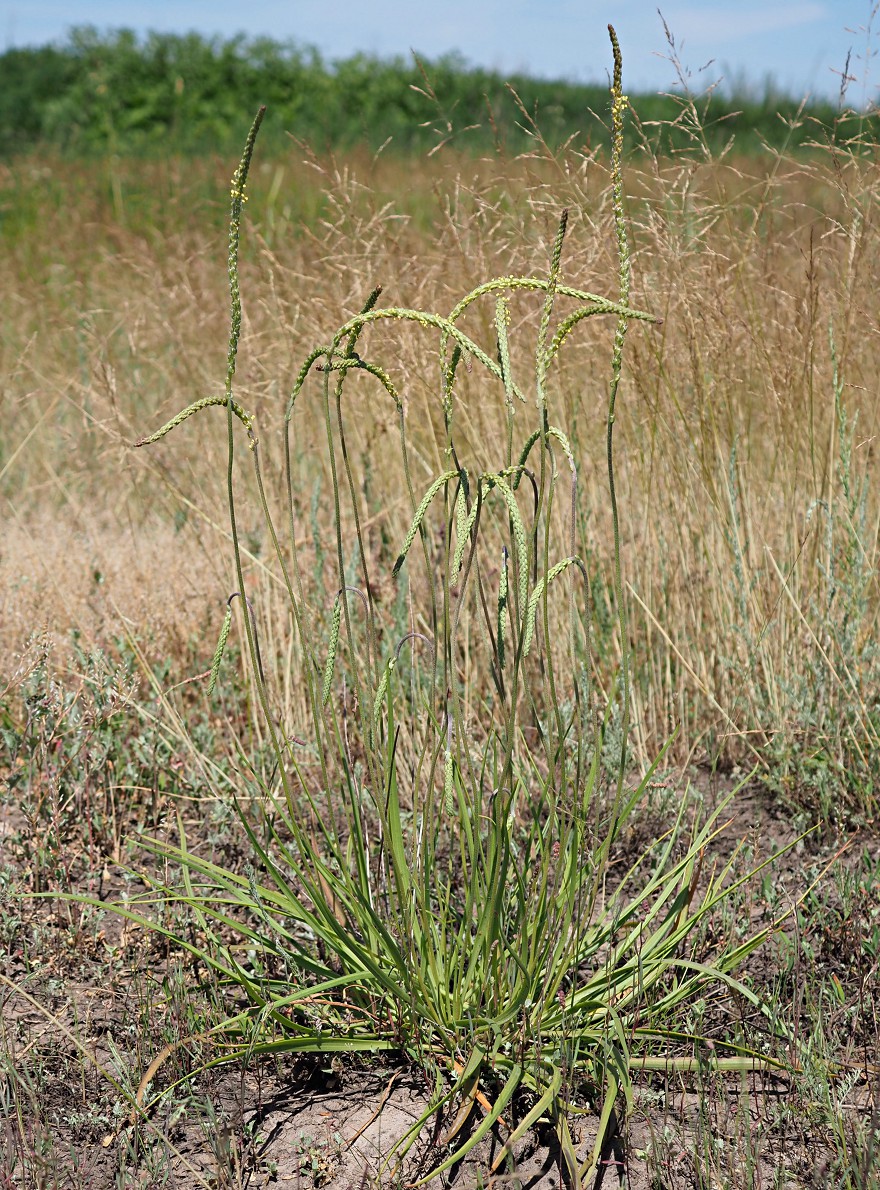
x: 431, y: 872
x: 114, y: 92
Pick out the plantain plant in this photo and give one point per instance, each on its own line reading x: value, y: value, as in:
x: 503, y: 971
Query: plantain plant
x: 431, y: 868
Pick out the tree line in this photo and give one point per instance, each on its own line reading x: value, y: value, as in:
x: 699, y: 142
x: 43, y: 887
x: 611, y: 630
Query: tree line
x: 116, y: 92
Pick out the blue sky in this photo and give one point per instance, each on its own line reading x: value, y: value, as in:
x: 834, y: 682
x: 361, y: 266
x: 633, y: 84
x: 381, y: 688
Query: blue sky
x: 800, y: 43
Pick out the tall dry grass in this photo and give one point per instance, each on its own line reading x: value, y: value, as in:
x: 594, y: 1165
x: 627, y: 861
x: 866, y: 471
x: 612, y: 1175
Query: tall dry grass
x: 744, y: 439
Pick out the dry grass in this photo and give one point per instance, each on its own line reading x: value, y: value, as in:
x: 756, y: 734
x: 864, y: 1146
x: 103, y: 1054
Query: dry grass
x: 748, y: 550
x: 750, y: 560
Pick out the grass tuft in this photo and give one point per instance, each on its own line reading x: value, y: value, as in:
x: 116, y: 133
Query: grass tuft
x: 432, y: 877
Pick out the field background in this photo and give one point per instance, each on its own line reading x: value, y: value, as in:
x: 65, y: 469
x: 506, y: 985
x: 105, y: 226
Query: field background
x: 745, y: 431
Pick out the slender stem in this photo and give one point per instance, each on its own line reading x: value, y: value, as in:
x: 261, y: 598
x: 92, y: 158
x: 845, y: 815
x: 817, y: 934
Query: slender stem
x: 239, y: 182
x: 619, y: 103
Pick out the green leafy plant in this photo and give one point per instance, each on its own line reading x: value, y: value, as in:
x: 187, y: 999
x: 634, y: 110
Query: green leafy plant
x: 433, y: 868
x: 117, y: 92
